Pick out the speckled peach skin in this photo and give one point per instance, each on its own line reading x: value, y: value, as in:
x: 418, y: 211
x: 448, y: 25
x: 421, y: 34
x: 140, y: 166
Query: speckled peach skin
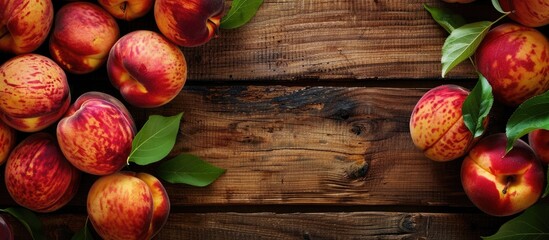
x: 515, y: 61
x: 531, y: 13
x: 8, y: 140
x: 38, y: 176
x: 34, y: 92
x: 24, y: 24
x: 96, y: 134
x: 436, y: 123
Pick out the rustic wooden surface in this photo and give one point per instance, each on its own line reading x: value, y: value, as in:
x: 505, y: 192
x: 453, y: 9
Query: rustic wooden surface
x: 307, y: 107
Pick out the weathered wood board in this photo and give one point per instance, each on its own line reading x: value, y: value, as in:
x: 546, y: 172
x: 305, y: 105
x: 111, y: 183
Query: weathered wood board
x: 270, y: 225
x: 329, y: 40
x: 310, y: 145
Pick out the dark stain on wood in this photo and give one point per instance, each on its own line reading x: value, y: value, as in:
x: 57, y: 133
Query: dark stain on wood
x: 408, y: 223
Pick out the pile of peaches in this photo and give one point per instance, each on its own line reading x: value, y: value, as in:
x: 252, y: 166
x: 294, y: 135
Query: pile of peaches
x: 514, y: 59
x: 93, y: 133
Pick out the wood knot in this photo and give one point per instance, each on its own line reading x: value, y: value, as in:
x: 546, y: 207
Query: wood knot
x: 356, y: 171
x: 408, y: 223
x: 357, y: 130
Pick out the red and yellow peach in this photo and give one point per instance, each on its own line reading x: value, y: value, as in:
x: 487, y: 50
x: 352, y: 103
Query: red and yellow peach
x: 96, y: 133
x: 127, y: 9
x: 82, y: 37
x: 34, y: 92
x: 147, y: 68
x: 189, y: 23
x: 127, y: 205
x: 7, y: 141
x: 436, y: 124
x: 38, y: 176
x: 515, y: 61
x: 502, y: 184
x: 458, y: 1
x: 539, y: 141
x: 531, y: 13
x: 24, y: 24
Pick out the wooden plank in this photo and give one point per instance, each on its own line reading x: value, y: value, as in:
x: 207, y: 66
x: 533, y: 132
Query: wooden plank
x: 308, y: 145
x: 330, y: 40
x: 268, y: 225
x: 361, y: 225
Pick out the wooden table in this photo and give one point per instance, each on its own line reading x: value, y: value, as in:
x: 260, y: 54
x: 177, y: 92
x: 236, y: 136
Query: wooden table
x: 307, y: 107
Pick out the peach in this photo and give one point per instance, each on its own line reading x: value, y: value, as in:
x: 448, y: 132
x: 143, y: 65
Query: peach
x: 5, y: 229
x: 147, y: 68
x: 531, y: 13
x: 38, y: 176
x: 458, y: 1
x: 515, y: 61
x: 128, y: 205
x: 24, y: 24
x: 34, y: 92
x: 82, y: 37
x: 539, y: 141
x: 190, y: 23
x: 96, y: 133
x: 127, y: 9
x: 502, y: 184
x: 7, y: 141
x: 436, y: 124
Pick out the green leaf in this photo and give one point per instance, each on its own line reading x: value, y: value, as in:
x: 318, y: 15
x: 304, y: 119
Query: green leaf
x: 445, y: 18
x: 462, y: 44
x: 84, y: 233
x: 240, y: 13
x: 531, y: 224
x: 530, y: 115
x: 477, y: 106
x: 155, y: 140
x: 189, y: 169
x: 29, y: 220
x: 498, y: 7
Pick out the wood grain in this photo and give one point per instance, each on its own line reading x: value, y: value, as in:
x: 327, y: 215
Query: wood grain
x: 308, y: 145
x: 358, y: 225
x: 269, y: 225
x: 329, y: 40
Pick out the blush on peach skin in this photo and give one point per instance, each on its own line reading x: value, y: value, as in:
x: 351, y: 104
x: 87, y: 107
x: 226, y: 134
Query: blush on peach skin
x: 502, y: 184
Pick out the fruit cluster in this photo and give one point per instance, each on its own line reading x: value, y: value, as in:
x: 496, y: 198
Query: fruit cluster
x: 93, y: 134
x: 514, y: 59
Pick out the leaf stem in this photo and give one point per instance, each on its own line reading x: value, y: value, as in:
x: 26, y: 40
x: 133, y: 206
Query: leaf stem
x: 494, y: 22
